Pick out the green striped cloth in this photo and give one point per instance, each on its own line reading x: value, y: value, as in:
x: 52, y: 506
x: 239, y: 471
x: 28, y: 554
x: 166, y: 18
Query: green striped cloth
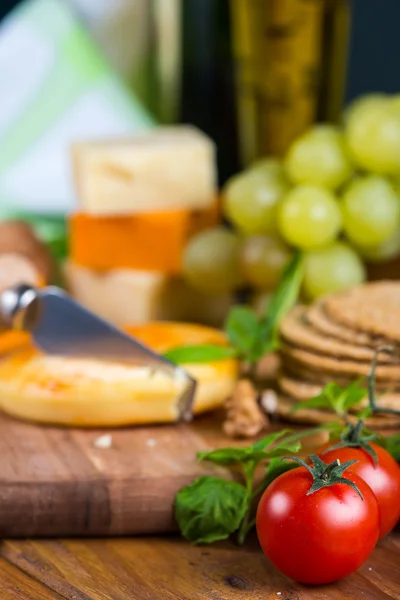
x: 56, y: 87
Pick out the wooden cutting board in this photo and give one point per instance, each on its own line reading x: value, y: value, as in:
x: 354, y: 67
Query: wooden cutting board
x: 56, y: 482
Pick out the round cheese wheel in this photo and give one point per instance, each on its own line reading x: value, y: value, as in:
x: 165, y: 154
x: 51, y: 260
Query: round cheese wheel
x: 90, y: 392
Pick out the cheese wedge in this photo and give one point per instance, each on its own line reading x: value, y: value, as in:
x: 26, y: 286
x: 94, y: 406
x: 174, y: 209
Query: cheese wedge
x: 94, y: 393
x: 147, y: 241
x: 166, y: 168
x: 130, y: 296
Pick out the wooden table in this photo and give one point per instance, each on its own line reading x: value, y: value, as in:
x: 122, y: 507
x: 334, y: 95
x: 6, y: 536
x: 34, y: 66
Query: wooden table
x: 170, y: 569
x: 155, y: 568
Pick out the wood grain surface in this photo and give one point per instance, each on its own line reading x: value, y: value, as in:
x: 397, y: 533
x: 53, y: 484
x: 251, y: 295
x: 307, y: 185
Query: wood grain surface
x: 170, y: 569
x: 56, y: 482
x: 17, y: 585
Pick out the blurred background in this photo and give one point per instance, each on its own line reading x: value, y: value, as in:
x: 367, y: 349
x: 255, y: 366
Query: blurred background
x: 198, y: 61
x: 253, y: 75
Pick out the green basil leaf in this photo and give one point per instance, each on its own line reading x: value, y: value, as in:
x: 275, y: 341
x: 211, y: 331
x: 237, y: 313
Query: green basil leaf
x: 210, y: 509
x: 283, y: 299
x: 231, y: 456
x: 364, y: 413
x: 333, y: 397
x: 283, y: 450
x: 251, y: 454
x: 200, y: 353
x: 242, y: 328
x: 352, y: 395
x: 269, y: 439
x: 322, y: 400
x: 335, y: 428
x: 299, y: 435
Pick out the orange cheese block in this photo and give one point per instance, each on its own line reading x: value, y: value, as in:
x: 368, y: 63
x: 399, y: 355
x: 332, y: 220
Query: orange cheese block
x: 146, y: 241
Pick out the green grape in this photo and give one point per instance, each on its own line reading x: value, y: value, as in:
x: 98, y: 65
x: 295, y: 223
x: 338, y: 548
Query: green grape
x: 373, y: 136
x: 211, y: 261
x: 396, y: 183
x: 386, y: 251
x: 319, y: 157
x: 309, y: 217
x: 395, y: 102
x: 331, y: 269
x: 371, y: 211
x: 270, y: 166
x: 262, y: 260
x: 363, y: 104
x: 250, y: 199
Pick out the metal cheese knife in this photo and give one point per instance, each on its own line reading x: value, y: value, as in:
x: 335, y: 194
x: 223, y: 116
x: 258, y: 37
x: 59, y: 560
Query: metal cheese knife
x: 60, y: 325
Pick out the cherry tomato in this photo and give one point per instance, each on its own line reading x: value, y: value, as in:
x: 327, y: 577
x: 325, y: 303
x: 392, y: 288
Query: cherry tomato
x: 383, y: 479
x: 321, y: 537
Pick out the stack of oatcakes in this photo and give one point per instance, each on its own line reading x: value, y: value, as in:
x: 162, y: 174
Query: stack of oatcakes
x: 335, y: 340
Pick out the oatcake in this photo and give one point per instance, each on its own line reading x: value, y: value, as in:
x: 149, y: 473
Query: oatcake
x: 327, y: 364
x: 314, y: 416
x: 293, y: 369
x: 297, y: 388
x: 373, y: 308
x: 321, y: 379
x: 303, y: 390
x: 295, y: 330
x: 335, y: 340
x: 317, y: 317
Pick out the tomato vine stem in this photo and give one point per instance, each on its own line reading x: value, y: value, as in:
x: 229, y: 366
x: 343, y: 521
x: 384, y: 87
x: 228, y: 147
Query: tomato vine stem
x: 372, y: 382
x: 324, y: 475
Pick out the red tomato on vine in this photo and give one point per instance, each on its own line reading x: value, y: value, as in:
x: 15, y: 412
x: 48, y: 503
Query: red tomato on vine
x: 376, y: 467
x: 315, y: 525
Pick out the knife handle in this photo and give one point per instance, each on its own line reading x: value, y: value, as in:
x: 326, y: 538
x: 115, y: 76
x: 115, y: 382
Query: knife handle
x: 18, y: 307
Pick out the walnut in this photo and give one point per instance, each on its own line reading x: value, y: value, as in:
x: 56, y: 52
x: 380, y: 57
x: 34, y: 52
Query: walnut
x: 244, y: 418
x: 15, y: 268
x: 18, y: 237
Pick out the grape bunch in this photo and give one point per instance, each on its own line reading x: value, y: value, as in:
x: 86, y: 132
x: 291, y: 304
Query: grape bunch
x: 335, y: 196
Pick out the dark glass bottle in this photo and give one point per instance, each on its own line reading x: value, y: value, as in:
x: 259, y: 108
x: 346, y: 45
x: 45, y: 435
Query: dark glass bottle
x: 290, y: 58
x: 207, y: 83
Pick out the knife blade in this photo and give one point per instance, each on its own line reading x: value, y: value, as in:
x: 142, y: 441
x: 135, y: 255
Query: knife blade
x: 59, y: 325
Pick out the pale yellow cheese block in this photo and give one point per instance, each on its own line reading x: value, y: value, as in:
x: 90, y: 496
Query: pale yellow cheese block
x: 166, y: 168
x: 93, y: 393
x: 128, y: 296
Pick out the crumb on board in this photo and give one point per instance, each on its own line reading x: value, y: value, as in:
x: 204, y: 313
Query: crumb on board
x: 244, y: 417
x: 151, y: 442
x: 103, y: 442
